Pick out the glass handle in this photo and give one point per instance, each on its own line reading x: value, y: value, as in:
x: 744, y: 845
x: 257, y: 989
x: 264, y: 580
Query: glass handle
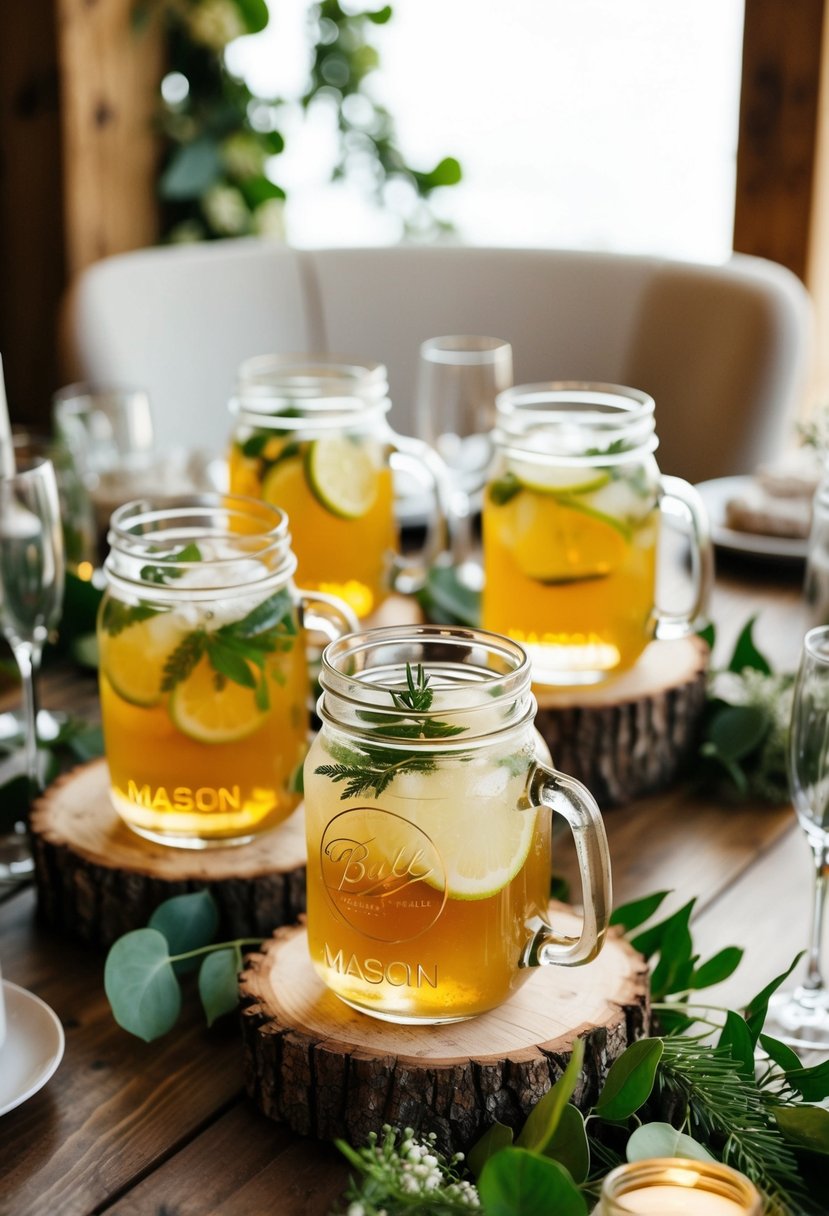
x: 422, y: 461
x: 681, y: 498
x: 574, y: 802
x: 327, y: 614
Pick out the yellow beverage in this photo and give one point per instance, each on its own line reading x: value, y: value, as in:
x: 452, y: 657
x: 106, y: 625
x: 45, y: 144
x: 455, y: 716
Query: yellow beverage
x: 570, y: 569
x: 419, y: 902
x: 199, y: 762
x: 337, y: 491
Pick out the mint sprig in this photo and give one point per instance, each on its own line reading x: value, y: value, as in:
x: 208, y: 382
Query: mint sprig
x: 369, y: 769
x: 232, y: 649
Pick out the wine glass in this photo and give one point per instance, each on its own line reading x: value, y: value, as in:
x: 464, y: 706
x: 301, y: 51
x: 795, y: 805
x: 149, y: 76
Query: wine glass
x: 459, y: 377
x: 801, y: 1017
x: 31, y: 593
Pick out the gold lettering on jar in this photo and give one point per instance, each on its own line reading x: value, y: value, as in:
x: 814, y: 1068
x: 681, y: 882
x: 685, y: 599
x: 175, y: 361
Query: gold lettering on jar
x: 204, y: 798
x: 396, y: 973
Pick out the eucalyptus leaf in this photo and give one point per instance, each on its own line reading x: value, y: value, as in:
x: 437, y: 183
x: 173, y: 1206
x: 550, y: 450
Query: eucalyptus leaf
x: 630, y: 916
x: 717, y: 968
x: 630, y: 1080
x: 542, y: 1120
x: 568, y: 1143
x: 746, y: 653
x: 805, y: 1126
x: 491, y: 1142
x: 187, y: 922
x: 140, y: 985
x: 193, y: 169
x: 516, y: 1182
x: 663, y: 1140
x: 737, y: 730
x: 218, y: 982
x: 446, y: 601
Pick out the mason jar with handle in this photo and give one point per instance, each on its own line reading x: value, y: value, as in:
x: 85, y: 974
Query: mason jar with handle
x: 571, y: 521
x: 429, y: 801
x: 203, y: 674
x: 311, y: 435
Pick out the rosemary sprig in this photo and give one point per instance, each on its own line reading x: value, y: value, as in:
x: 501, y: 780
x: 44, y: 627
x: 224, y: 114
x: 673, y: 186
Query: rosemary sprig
x: 369, y: 769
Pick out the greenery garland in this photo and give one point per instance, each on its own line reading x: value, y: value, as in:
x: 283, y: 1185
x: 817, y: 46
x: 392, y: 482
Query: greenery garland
x: 220, y: 167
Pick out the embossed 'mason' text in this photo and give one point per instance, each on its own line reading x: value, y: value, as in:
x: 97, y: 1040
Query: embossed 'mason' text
x: 185, y: 798
x: 374, y: 971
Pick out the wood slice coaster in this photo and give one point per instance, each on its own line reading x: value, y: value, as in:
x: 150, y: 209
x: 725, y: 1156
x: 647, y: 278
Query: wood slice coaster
x: 96, y: 879
x: 635, y: 734
x: 324, y: 1069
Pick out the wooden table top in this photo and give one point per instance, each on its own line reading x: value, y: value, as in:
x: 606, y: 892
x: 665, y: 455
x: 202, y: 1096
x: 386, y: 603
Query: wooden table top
x: 133, y: 1128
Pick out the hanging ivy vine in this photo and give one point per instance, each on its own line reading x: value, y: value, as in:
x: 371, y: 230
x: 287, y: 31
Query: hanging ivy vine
x: 220, y: 170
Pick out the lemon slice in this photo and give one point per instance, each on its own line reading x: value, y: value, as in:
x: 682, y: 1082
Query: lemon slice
x: 284, y: 482
x: 561, y: 480
x: 554, y: 540
x: 484, y: 861
x: 133, y: 660
x: 342, y: 476
x: 208, y: 714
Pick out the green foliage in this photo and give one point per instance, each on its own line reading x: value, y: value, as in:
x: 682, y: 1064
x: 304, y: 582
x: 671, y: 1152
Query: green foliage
x: 517, y: 1182
x: 220, y: 172
x: 142, y: 970
x: 745, y: 725
x: 76, y: 742
x: 445, y: 600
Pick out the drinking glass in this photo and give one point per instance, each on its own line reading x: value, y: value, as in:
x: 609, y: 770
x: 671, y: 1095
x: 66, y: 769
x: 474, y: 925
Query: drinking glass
x: 801, y: 1017
x: 311, y: 435
x: 459, y: 377
x: 31, y: 593
x: 203, y: 674
x: 429, y: 799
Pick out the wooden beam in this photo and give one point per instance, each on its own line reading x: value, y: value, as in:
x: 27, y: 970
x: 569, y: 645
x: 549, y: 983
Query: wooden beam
x: 31, y: 230
x: 110, y: 73
x: 779, y: 107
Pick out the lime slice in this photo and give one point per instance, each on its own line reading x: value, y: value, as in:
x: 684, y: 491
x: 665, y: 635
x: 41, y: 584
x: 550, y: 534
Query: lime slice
x: 342, y: 476
x: 559, y: 480
x: 284, y: 482
x: 133, y: 660
x: 208, y: 714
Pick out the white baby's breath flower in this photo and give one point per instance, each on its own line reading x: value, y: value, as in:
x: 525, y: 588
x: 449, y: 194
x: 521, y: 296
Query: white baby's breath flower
x: 355, y: 1209
x: 243, y: 155
x: 269, y: 219
x: 214, y: 23
x: 225, y: 210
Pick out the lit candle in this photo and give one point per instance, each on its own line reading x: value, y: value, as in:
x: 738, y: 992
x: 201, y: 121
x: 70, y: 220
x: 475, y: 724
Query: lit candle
x: 676, y: 1186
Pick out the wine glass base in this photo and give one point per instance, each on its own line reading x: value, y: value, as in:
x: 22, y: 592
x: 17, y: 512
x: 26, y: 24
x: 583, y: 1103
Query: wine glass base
x: 800, y: 1019
x: 16, y: 861
x: 49, y: 723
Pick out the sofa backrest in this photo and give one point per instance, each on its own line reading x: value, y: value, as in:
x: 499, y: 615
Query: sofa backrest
x: 723, y: 349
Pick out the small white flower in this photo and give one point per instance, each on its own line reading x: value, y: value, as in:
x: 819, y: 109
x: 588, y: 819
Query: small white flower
x: 243, y: 155
x: 269, y: 219
x: 355, y: 1209
x: 225, y: 210
x: 214, y: 23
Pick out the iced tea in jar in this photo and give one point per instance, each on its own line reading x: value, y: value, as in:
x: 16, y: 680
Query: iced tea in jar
x: 428, y: 802
x: 571, y: 522
x: 313, y: 438
x: 203, y: 677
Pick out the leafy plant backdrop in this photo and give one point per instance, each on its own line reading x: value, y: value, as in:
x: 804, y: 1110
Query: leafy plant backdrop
x: 220, y: 173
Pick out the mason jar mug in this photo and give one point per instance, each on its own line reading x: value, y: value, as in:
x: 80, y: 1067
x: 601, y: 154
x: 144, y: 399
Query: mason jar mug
x: 571, y: 521
x: 428, y: 804
x: 311, y: 436
x: 203, y: 677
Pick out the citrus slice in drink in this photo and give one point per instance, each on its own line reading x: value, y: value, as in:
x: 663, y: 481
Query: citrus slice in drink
x: 562, y: 479
x: 133, y: 660
x: 560, y: 541
x: 211, y: 714
x: 342, y: 475
x: 284, y: 483
x: 483, y: 861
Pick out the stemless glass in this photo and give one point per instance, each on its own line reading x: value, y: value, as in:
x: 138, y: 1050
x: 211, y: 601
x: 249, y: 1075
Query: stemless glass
x: 312, y: 437
x: 801, y: 1017
x: 459, y: 378
x: 203, y: 673
x: 31, y: 594
x: 570, y: 526
x: 428, y: 804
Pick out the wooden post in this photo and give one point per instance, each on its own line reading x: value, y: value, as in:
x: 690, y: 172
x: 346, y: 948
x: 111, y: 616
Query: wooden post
x: 778, y: 130
x: 110, y: 73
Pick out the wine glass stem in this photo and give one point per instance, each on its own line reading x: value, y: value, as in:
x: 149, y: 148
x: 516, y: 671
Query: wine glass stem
x: 814, y: 976
x: 26, y: 659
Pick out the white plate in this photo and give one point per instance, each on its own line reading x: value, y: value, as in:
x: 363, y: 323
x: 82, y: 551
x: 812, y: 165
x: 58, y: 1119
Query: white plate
x: 33, y: 1047
x: 715, y: 494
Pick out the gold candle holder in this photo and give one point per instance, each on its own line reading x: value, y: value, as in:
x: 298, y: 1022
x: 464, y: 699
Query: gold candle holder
x: 678, y: 1186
